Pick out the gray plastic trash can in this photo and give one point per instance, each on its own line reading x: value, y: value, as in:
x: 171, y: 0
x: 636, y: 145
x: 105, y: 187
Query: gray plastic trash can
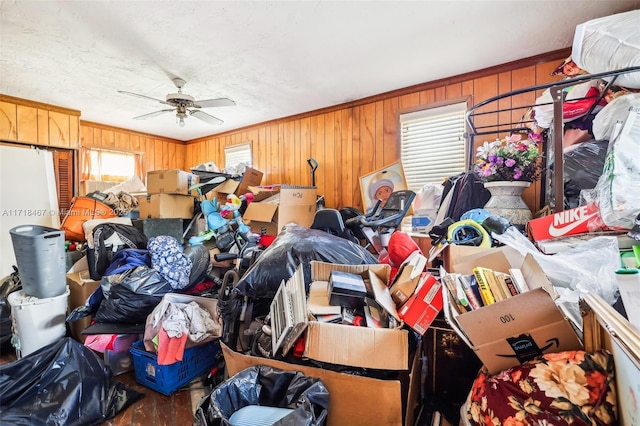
x: 41, y: 261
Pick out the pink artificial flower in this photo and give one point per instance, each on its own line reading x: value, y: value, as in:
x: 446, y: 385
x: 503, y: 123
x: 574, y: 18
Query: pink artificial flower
x: 536, y: 137
x: 510, y: 162
x: 517, y: 173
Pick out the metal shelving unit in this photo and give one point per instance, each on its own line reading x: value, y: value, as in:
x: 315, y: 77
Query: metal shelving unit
x: 554, y: 135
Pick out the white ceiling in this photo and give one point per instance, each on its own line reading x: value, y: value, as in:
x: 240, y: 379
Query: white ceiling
x: 273, y: 58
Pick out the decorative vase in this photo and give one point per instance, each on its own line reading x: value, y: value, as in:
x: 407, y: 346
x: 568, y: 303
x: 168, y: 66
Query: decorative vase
x: 506, y: 201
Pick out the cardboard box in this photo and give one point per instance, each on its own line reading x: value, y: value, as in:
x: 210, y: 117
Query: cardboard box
x: 173, y: 181
x: 423, y: 307
x: 159, y: 206
x: 380, y: 348
x: 514, y: 330
x: 408, y: 278
x: 81, y: 286
x: 293, y: 204
x: 354, y: 400
x: 250, y: 177
x: 574, y: 221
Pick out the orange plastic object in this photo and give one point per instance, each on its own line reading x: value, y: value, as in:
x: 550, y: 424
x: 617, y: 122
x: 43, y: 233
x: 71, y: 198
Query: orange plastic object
x: 83, y: 209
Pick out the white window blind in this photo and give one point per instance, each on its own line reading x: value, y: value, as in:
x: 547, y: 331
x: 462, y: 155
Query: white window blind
x: 433, y: 144
x: 112, y: 166
x: 236, y: 154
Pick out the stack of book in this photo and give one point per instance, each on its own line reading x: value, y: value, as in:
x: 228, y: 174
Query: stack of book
x: 484, y: 287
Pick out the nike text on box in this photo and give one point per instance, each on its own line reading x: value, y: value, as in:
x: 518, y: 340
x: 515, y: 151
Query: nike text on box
x: 579, y: 220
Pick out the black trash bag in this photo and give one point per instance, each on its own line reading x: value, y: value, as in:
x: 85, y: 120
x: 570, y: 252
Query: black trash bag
x: 200, y: 260
x: 266, y: 386
x: 297, y: 245
x: 131, y: 296
x: 63, y: 384
x: 583, y: 167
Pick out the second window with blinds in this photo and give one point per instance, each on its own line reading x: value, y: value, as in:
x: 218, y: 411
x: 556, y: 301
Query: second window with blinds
x: 433, y: 147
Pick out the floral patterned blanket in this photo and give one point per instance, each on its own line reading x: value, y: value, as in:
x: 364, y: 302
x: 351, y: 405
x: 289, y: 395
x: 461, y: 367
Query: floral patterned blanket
x: 566, y: 388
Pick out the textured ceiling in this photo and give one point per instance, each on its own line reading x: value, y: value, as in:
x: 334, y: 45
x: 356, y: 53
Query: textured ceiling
x: 274, y: 59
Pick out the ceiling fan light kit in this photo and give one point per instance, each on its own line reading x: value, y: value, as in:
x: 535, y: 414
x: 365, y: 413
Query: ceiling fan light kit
x: 184, y: 105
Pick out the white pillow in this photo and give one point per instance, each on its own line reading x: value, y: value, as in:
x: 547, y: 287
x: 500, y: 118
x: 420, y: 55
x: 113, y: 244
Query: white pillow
x: 132, y: 185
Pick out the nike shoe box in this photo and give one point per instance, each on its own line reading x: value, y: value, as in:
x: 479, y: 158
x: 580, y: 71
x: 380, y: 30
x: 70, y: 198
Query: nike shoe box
x: 579, y: 220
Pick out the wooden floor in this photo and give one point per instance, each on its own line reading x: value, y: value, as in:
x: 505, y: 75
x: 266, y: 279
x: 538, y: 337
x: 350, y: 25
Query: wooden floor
x: 156, y: 409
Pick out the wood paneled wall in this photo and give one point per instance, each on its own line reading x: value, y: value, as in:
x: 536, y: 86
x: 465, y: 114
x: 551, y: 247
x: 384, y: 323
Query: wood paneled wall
x: 158, y: 153
x: 354, y: 139
x: 34, y: 123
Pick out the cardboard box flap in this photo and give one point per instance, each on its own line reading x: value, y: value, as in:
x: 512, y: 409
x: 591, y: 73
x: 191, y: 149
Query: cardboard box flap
x: 229, y: 186
x: 456, y: 255
x: 513, y: 316
x: 364, y: 347
x: 535, y: 277
x: 301, y: 215
x: 318, y: 301
x: 382, y: 295
x: 260, y: 212
x: 412, y: 267
x: 321, y: 271
x: 492, y: 260
x: 240, y: 185
x: 450, y: 314
x: 297, y: 195
x: 261, y: 193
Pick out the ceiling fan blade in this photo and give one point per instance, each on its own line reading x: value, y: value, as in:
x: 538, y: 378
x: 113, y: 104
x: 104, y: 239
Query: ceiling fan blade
x: 209, y: 103
x: 153, y: 114
x: 143, y: 97
x: 206, y: 117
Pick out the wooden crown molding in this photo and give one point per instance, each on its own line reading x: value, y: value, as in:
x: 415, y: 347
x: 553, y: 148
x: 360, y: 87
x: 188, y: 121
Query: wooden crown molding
x: 40, y: 105
x: 123, y: 130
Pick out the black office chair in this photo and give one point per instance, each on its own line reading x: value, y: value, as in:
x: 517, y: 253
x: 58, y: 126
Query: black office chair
x: 330, y: 221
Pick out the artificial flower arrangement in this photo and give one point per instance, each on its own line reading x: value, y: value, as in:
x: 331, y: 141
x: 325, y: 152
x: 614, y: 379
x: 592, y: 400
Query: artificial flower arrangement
x: 514, y: 158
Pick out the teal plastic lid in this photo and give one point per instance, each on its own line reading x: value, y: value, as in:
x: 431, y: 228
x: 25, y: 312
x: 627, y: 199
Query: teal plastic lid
x: 627, y: 271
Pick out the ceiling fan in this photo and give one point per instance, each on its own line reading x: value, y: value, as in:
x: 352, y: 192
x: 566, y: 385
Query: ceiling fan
x: 184, y: 105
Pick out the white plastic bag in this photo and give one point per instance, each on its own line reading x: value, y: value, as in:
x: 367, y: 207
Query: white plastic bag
x: 427, y: 199
x: 587, y: 268
x: 615, y: 111
x: 618, y: 189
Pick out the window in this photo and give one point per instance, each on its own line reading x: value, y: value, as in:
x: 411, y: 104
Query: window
x: 236, y: 154
x: 110, y: 166
x: 433, y: 144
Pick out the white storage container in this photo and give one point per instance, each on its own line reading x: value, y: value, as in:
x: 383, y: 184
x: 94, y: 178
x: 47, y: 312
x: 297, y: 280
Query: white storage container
x: 36, y: 322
